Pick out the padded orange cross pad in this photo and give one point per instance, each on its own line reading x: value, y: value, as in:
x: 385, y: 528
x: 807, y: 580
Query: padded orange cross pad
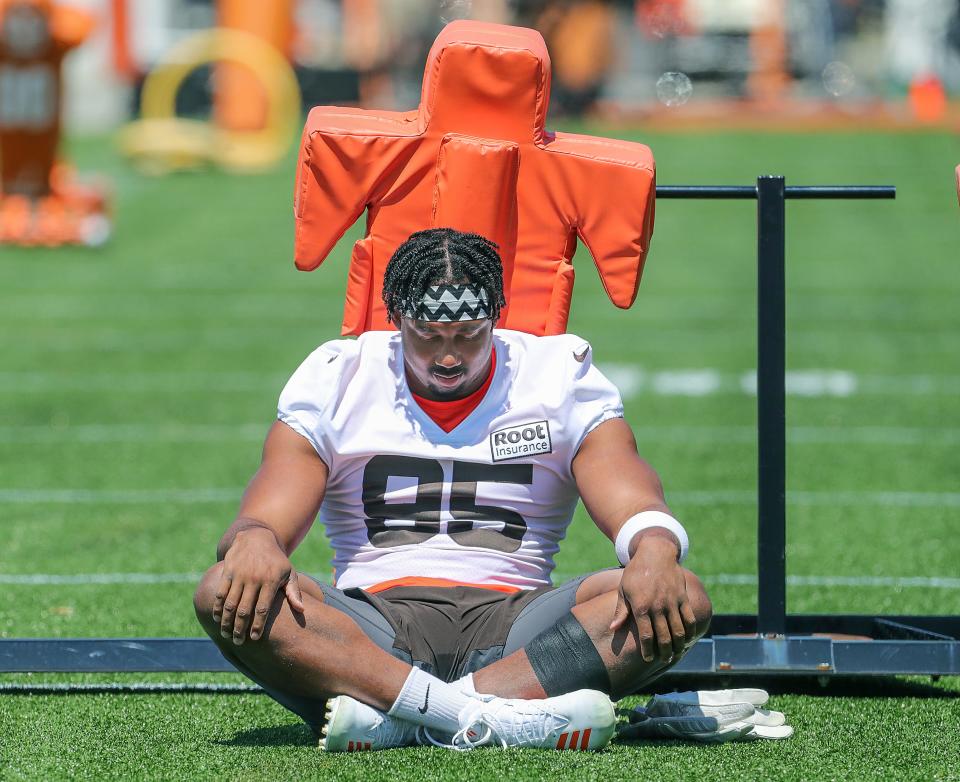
x: 475, y: 156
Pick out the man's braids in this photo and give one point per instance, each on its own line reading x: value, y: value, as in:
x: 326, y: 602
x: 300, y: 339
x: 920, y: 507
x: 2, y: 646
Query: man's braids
x: 441, y: 256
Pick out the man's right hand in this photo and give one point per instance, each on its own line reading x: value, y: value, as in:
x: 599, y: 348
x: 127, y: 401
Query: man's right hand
x: 255, y: 568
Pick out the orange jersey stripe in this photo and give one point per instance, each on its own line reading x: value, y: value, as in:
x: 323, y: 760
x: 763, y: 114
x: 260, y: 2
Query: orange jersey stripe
x: 586, y: 738
x: 408, y: 581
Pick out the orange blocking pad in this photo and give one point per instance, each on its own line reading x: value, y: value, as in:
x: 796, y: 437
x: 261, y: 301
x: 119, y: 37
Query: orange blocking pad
x: 476, y: 156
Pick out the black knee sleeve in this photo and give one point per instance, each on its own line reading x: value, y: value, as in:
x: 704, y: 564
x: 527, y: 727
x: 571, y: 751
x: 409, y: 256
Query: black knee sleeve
x: 564, y: 659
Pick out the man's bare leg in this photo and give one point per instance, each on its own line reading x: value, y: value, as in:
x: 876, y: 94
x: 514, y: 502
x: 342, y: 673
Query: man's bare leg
x: 514, y: 677
x: 320, y: 653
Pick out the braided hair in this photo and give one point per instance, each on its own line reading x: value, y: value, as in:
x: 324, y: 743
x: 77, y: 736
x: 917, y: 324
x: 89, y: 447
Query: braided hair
x: 440, y: 256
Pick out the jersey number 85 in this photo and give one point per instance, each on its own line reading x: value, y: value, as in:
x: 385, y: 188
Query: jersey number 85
x: 396, y: 524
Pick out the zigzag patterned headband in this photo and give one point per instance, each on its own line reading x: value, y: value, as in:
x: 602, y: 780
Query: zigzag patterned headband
x: 452, y: 303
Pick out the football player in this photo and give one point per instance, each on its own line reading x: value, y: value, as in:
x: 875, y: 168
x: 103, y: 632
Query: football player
x: 445, y: 461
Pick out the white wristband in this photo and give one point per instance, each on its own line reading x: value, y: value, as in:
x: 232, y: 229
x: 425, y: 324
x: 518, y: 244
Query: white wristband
x: 645, y: 520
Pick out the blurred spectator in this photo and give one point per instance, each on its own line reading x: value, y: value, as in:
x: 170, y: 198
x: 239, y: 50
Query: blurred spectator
x: 580, y: 38
x: 916, y: 39
x: 34, y: 39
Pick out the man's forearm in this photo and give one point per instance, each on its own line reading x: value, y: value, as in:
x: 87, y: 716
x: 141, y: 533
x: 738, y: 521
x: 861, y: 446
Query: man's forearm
x: 242, y: 524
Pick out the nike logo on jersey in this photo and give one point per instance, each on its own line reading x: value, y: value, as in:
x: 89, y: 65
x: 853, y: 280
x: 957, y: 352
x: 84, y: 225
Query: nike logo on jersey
x: 580, y: 355
x: 515, y: 442
x: 426, y: 702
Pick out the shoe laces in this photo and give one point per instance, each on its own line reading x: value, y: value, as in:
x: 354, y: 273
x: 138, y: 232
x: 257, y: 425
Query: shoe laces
x: 499, y: 720
x: 463, y: 740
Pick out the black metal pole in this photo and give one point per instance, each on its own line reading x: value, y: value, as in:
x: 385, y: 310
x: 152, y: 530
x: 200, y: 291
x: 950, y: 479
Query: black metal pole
x: 771, y: 406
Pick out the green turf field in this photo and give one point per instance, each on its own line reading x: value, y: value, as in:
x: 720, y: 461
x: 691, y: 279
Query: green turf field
x: 136, y: 384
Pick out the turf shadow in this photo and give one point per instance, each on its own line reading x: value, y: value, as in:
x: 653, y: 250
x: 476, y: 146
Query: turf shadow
x: 277, y: 736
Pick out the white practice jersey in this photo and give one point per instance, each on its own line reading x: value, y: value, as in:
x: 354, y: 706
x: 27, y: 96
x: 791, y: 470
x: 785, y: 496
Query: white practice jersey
x: 487, y: 503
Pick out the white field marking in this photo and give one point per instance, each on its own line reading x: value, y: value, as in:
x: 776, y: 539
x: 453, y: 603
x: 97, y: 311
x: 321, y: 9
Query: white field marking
x: 631, y: 380
x: 134, y: 433
x: 49, y: 579
x: 796, y: 435
x: 117, y: 496
x: 138, y: 306
x: 68, y: 341
x: 62, y: 434
x: 204, y: 296
x: 923, y: 582
x: 820, y: 498
x: 689, y: 382
x: 810, y: 382
x: 695, y: 497
x: 727, y: 579
x: 137, y: 382
x: 129, y: 687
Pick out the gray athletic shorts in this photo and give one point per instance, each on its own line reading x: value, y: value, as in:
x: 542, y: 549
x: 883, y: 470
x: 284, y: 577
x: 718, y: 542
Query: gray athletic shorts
x: 446, y: 631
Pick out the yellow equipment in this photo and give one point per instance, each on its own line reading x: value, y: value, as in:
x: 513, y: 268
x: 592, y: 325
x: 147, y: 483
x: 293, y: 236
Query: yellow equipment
x: 161, y: 142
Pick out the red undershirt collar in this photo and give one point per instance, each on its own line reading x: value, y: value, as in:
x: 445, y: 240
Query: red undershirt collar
x: 449, y: 414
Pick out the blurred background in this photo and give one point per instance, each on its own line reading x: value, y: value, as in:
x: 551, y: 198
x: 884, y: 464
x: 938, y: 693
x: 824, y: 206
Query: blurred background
x: 818, y: 61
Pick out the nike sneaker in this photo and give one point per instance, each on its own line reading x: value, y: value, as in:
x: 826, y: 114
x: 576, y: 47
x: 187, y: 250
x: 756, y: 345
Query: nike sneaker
x: 352, y: 726
x: 580, y: 720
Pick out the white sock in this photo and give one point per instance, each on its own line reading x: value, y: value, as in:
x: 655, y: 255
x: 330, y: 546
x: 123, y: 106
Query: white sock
x: 428, y: 701
x: 466, y: 686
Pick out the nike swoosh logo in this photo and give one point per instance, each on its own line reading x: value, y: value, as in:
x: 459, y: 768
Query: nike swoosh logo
x: 581, y: 356
x: 426, y: 702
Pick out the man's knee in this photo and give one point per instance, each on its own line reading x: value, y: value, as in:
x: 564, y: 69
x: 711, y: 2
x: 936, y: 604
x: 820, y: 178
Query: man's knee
x: 565, y: 658
x: 700, y: 603
x: 206, y: 594
x: 599, y: 583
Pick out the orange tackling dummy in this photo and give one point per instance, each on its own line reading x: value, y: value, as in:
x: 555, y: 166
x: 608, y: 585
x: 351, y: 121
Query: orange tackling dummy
x: 476, y: 156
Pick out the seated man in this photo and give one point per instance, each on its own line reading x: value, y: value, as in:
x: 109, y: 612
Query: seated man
x: 445, y: 462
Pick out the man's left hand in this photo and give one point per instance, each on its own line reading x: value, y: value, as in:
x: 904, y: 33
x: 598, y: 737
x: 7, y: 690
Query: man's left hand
x: 653, y: 590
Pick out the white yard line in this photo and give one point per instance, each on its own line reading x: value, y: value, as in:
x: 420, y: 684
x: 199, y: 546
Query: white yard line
x: 134, y: 433
x: 725, y: 579
x: 255, y: 432
x: 48, y: 579
x: 819, y: 498
x: 923, y: 582
x: 797, y: 435
x: 631, y: 380
x: 694, y: 497
x: 117, y: 496
x: 141, y: 382
x: 804, y: 435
